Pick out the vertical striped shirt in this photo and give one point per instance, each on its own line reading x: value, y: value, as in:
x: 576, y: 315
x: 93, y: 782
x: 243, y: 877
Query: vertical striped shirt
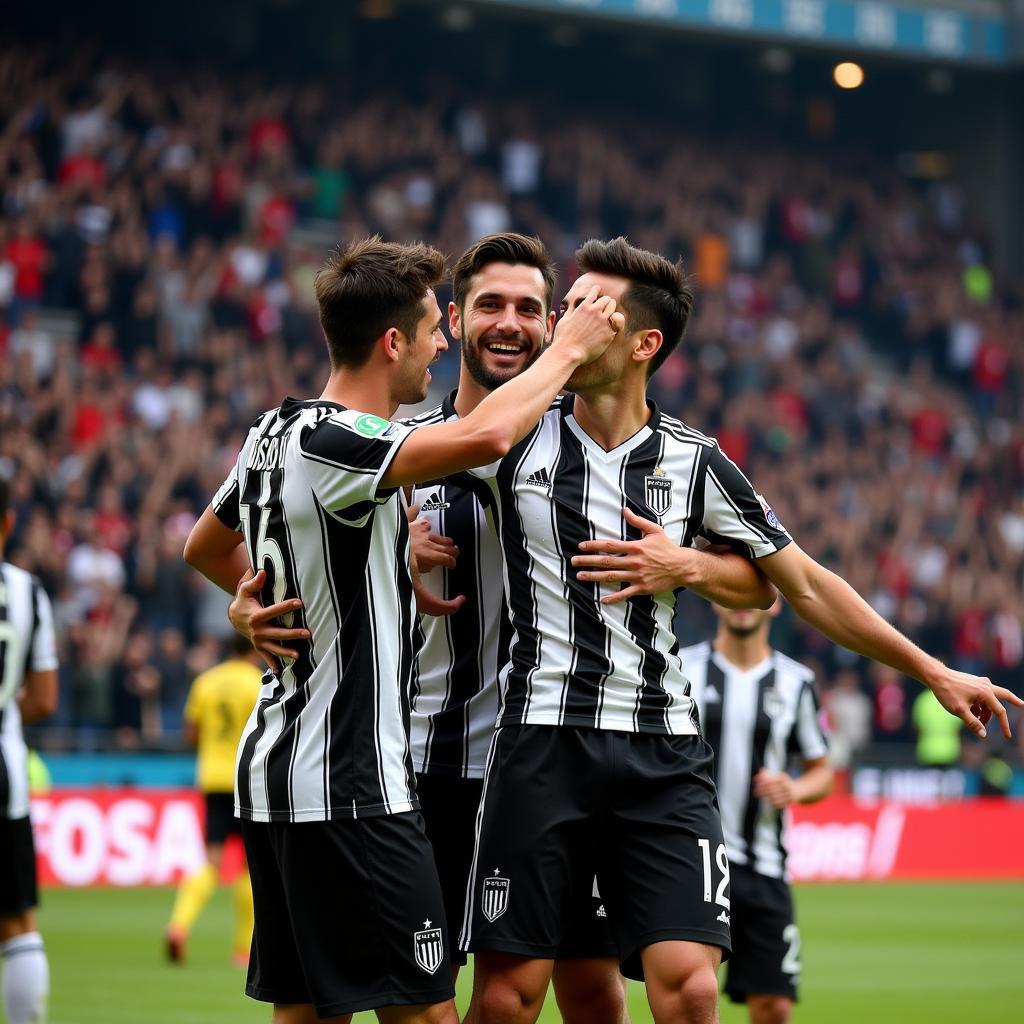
x: 575, y: 661
x: 328, y: 737
x: 762, y: 717
x: 27, y: 644
x: 455, y: 682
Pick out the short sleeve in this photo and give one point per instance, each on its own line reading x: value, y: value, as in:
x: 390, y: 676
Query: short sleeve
x: 225, y: 502
x: 735, y: 514
x: 43, y: 656
x: 346, y: 455
x: 809, y: 733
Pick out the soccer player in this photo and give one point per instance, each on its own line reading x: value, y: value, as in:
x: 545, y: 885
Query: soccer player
x: 758, y: 709
x: 28, y: 692
x: 597, y: 747
x: 218, y: 706
x: 349, y: 914
x: 699, y: 492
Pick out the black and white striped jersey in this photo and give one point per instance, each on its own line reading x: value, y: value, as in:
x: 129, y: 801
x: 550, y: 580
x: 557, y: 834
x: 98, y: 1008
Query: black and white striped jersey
x: 328, y: 738
x: 455, y: 682
x: 575, y: 661
x: 762, y: 717
x: 27, y: 644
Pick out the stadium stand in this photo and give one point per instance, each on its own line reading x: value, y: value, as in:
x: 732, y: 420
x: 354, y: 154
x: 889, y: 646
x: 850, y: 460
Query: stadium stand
x: 852, y: 349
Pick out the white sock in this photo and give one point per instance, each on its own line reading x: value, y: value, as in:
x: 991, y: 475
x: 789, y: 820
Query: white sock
x: 26, y: 981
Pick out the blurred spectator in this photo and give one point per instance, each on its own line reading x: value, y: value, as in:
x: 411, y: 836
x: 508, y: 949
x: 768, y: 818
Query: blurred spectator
x: 849, y: 714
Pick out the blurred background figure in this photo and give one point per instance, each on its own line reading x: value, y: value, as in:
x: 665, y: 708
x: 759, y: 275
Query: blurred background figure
x: 219, y: 704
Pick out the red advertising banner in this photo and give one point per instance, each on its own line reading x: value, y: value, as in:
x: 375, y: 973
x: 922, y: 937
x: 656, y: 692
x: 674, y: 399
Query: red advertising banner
x: 844, y: 839
x: 153, y: 837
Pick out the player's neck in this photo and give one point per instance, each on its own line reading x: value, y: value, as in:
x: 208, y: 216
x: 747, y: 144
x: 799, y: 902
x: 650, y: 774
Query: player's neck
x: 363, y: 389
x: 745, y: 652
x: 612, y: 416
x: 470, y: 394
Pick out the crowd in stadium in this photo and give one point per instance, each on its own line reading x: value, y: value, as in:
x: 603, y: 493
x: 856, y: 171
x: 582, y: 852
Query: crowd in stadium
x: 851, y: 345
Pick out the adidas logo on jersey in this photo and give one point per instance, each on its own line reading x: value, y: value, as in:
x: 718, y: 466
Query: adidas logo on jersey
x: 723, y: 917
x: 540, y: 478
x: 435, y: 504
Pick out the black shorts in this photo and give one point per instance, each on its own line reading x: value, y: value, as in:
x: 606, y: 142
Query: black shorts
x: 220, y: 817
x: 449, y: 806
x: 349, y: 914
x: 765, y: 939
x: 562, y: 804
x: 18, y: 888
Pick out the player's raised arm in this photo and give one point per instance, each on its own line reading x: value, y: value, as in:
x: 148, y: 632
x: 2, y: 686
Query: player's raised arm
x: 508, y: 414
x: 831, y: 605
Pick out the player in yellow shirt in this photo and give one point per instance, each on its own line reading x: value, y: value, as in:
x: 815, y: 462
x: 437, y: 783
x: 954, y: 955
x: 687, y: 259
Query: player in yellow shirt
x: 218, y: 706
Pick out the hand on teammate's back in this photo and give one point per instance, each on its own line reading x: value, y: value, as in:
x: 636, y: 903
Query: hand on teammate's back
x: 261, y: 625
x: 586, y: 330
x: 428, y: 551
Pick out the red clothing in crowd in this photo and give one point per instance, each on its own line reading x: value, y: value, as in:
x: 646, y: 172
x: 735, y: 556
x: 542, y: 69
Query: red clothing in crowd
x: 81, y: 169
x: 28, y: 256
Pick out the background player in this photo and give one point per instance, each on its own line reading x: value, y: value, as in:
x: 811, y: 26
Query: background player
x: 219, y: 704
x: 324, y: 781
x: 759, y: 711
x: 28, y: 692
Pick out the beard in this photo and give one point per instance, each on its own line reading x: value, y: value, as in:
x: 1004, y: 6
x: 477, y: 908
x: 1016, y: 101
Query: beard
x: 488, y: 378
x: 744, y: 630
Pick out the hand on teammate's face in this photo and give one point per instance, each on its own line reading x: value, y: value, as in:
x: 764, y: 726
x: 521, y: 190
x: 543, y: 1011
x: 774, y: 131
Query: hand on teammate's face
x: 587, y: 329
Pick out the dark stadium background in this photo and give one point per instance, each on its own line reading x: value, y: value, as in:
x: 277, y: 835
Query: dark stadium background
x: 858, y: 345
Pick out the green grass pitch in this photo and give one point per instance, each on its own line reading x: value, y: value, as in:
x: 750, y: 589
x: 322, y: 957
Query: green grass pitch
x: 905, y: 954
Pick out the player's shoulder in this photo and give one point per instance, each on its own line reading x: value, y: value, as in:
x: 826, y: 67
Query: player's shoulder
x: 677, y: 430
x: 790, y: 667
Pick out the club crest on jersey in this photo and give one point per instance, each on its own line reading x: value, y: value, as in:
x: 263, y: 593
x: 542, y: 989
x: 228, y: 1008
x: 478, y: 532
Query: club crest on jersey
x: 495, y: 896
x: 771, y: 518
x: 774, y: 705
x: 658, y: 492
x: 434, y: 503
x: 428, y: 947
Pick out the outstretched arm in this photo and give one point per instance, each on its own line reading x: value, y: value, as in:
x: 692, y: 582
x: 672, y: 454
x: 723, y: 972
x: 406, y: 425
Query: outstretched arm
x: 655, y: 564
x: 832, y: 606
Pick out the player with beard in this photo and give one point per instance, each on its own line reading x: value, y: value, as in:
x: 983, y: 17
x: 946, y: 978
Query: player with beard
x: 597, y: 753
x: 759, y: 709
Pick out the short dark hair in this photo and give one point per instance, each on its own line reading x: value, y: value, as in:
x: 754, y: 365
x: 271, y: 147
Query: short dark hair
x: 506, y: 247
x: 659, y: 294
x: 5, y: 498
x: 368, y: 288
